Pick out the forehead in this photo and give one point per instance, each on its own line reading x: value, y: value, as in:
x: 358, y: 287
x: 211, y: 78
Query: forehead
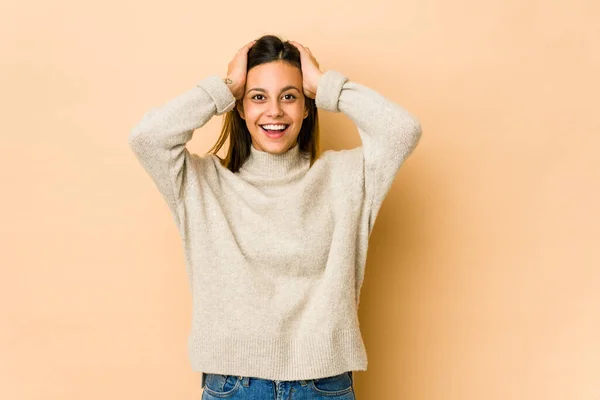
x: 273, y: 75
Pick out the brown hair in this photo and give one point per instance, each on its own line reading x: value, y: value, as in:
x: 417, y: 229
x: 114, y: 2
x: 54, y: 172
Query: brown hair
x: 267, y: 49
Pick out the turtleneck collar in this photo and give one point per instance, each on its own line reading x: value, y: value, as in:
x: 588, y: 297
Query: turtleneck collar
x: 275, y: 165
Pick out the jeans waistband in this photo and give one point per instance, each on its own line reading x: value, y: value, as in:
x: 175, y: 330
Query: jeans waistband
x: 246, y: 379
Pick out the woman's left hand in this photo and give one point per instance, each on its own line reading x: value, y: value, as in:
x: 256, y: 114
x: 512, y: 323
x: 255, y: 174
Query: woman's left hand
x: 310, y: 70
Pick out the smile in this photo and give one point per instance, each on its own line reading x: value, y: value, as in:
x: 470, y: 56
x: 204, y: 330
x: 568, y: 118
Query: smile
x: 274, y: 131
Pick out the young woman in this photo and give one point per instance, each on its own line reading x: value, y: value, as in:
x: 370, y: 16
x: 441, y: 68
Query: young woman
x: 275, y: 234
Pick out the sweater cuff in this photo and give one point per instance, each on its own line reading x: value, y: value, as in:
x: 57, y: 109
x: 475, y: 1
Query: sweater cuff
x: 329, y: 89
x: 219, y: 92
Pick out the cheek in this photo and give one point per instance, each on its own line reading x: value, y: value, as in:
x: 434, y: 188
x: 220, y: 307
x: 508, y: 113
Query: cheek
x: 252, y: 113
x: 296, y: 113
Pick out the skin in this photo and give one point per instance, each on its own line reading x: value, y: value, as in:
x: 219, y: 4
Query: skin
x: 273, y: 93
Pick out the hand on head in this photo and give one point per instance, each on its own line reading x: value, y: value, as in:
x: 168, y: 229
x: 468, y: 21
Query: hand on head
x: 236, y: 71
x: 310, y: 70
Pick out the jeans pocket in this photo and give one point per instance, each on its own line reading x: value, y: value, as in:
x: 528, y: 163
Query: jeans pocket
x: 336, y: 385
x: 221, y: 386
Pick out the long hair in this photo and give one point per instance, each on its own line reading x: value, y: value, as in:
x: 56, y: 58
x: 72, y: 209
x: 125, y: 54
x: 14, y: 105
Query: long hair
x: 267, y: 49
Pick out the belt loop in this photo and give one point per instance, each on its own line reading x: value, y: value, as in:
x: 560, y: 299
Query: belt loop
x: 245, y: 380
x: 303, y: 382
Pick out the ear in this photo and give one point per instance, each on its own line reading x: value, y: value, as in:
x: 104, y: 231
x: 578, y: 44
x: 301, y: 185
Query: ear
x: 240, y: 108
x: 305, y: 112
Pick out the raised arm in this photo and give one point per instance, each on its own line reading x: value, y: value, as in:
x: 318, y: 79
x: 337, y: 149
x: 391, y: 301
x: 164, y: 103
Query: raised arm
x: 159, y: 139
x: 388, y: 132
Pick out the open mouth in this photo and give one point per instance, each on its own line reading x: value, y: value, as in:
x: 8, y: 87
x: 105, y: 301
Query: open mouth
x: 274, y: 130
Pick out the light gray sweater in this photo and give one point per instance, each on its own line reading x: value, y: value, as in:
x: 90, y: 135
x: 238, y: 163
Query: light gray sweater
x: 276, y: 252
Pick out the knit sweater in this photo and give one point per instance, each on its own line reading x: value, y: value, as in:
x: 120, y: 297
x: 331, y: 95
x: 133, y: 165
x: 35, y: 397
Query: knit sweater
x: 275, y: 252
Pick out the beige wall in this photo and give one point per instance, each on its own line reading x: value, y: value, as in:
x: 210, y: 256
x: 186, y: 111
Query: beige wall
x: 483, y: 274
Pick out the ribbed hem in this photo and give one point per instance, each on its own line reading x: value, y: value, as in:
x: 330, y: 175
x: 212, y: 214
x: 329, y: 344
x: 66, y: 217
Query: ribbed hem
x: 219, y: 92
x: 329, y: 89
x: 285, y: 358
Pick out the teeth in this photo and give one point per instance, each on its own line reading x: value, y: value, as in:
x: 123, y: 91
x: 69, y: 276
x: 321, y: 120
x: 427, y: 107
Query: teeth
x: 274, y: 127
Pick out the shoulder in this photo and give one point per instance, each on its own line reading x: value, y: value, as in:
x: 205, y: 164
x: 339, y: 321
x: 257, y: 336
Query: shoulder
x: 207, y: 160
x: 205, y: 165
x: 344, y: 173
x: 341, y: 158
x: 345, y: 167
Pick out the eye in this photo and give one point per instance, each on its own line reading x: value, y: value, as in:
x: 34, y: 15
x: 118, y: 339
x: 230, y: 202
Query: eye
x: 291, y: 97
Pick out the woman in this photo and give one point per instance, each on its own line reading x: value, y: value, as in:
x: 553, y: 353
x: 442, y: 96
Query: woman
x: 275, y: 235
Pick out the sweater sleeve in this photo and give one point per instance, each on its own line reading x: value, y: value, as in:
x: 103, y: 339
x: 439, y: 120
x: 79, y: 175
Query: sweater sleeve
x: 388, y: 132
x: 159, y: 139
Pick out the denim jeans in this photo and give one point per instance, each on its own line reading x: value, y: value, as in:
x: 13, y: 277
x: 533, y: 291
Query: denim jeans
x: 217, y: 386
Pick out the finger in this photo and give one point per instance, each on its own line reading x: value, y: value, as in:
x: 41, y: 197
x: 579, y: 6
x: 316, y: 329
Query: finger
x: 247, y: 46
x: 304, y: 51
x: 298, y: 45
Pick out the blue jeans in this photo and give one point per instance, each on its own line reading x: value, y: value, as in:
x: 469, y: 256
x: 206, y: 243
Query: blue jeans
x: 217, y: 386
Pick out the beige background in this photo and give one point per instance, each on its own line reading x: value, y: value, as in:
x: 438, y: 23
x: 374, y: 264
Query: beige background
x: 483, y: 274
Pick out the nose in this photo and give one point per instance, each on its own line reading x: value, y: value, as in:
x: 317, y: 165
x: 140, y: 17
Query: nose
x: 275, y: 109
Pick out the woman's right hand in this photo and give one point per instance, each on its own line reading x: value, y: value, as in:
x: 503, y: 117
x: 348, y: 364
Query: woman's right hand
x: 236, y: 71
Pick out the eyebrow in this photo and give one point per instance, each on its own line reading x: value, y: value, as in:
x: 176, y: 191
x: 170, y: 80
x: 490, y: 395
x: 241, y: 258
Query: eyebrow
x: 282, y: 90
